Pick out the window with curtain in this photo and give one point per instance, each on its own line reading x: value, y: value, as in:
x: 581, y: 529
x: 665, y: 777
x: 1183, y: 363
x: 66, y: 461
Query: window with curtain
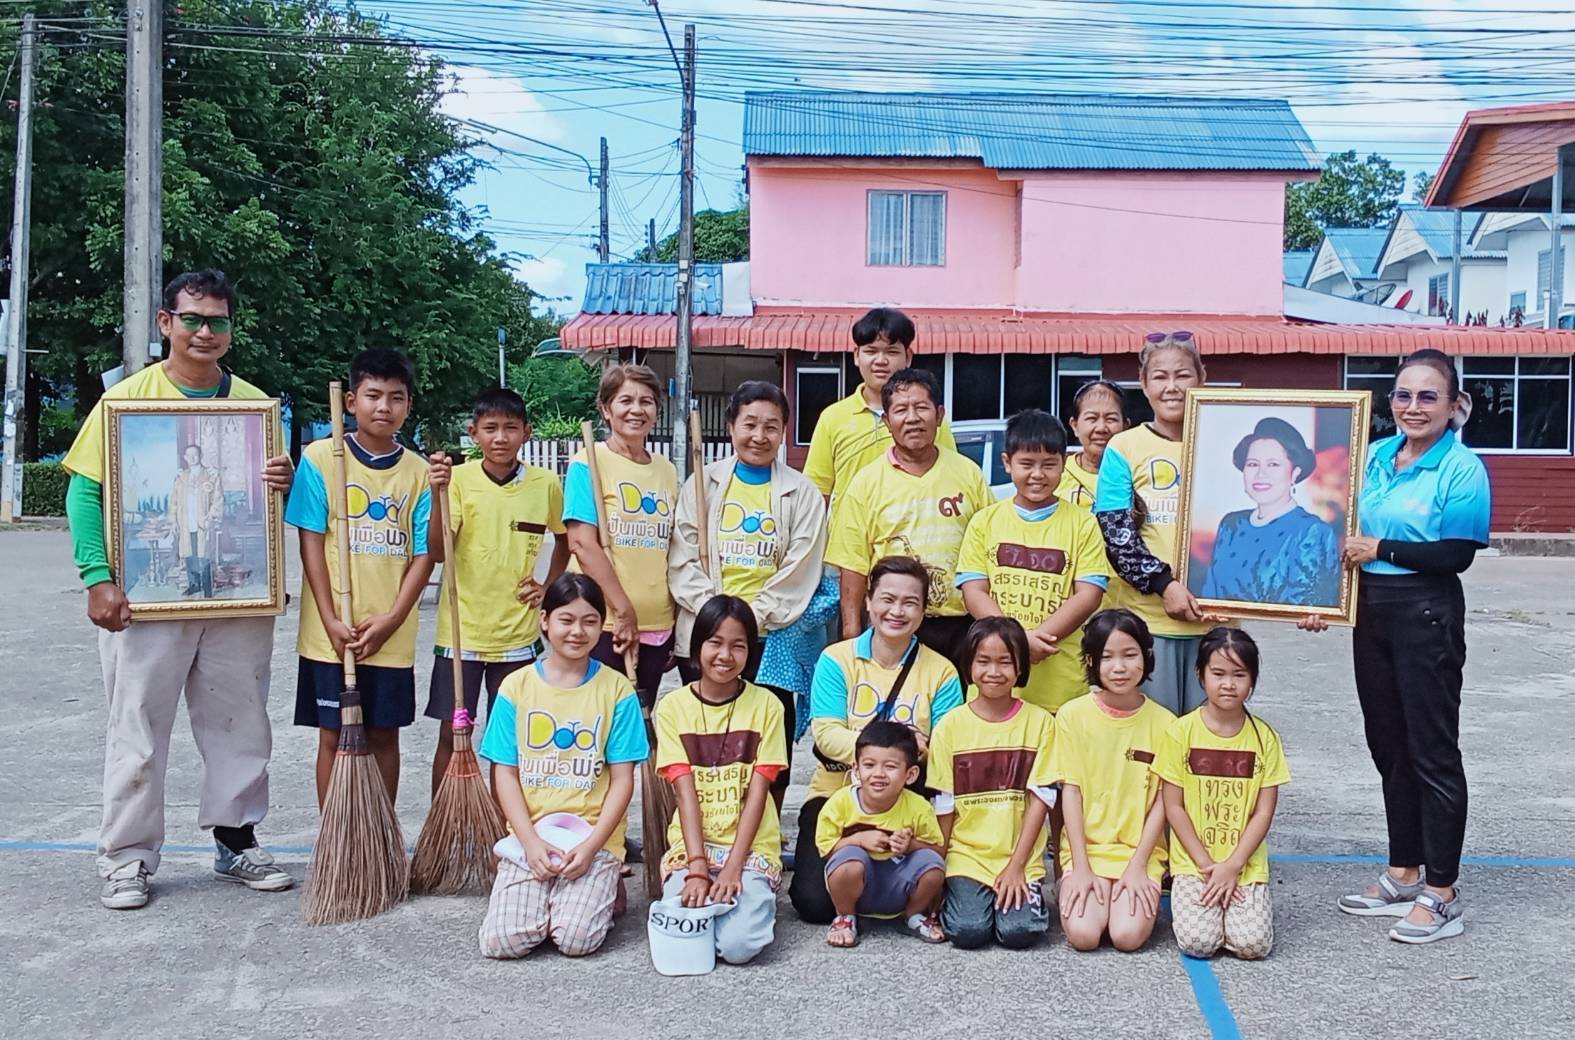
x: 1438, y: 294
x: 907, y: 228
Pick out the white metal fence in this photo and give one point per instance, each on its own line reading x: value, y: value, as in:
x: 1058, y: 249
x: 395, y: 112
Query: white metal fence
x: 555, y: 455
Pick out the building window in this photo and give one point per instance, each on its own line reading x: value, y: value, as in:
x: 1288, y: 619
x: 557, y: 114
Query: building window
x: 1517, y: 302
x: 907, y: 228
x: 1517, y: 404
x: 814, y: 388
x: 1438, y: 295
x: 1545, y: 273
x: 998, y: 386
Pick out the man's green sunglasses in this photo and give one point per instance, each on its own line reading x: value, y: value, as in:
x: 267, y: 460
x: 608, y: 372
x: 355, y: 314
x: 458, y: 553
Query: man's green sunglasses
x: 217, y: 325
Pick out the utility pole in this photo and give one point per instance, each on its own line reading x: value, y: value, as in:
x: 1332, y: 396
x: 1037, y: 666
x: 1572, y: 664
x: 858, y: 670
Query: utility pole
x: 1454, y: 274
x: 683, y: 376
x: 144, y: 256
x: 503, y: 374
x: 603, y: 250
x: 650, y: 240
x: 16, y: 315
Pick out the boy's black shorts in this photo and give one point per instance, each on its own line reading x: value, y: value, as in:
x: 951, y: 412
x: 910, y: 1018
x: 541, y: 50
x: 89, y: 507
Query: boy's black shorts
x: 388, y: 695
x: 440, y: 693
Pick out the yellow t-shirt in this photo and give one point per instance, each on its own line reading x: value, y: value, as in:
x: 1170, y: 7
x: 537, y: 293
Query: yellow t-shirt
x: 844, y: 815
x: 499, y: 530
x: 563, y: 740
x: 848, y: 436
x: 637, y: 501
x: 389, y: 501
x: 1031, y: 567
x: 1220, y: 778
x: 987, y: 768
x: 1078, y: 486
x: 887, y: 511
x: 851, y: 688
x: 86, y: 457
x: 1108, y: 758
x: 722, y: 744
x: 1139, y: 462
x: 746, y: 538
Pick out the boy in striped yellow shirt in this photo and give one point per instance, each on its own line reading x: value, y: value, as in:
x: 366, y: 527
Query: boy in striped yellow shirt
x: 500, y: 511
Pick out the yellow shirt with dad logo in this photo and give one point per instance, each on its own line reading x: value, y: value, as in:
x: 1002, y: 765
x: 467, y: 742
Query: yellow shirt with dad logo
x: 388, y: 499
x: 849, y: 690
x: 499, y: 530
x: 1108, y: 758
x: 1220, y: 780
x: 637, y: 501
x: 746, y: 538
x: 887, y: 511
x: 988, y: 767
x: 723, y: 744
x: 848, y: 436
x: 1031, y: 567
x: 1140, y: 464
x: 562, y: 741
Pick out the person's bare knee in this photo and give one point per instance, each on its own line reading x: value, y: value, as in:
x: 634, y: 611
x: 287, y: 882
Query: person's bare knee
x: 1129, y: 932
x: 1084, y: 933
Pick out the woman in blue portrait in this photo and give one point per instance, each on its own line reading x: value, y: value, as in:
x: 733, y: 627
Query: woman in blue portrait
x: 1275, y: 552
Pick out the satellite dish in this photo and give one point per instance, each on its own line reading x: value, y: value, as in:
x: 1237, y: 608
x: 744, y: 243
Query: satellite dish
x: 1404, y: 299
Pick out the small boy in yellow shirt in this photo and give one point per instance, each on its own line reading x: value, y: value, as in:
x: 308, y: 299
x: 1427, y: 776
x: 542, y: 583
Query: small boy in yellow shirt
x: 499, y: 511
x: 882, y: 842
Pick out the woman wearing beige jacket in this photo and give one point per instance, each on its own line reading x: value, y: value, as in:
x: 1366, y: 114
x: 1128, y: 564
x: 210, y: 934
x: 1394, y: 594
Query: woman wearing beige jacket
x: 766, y: 527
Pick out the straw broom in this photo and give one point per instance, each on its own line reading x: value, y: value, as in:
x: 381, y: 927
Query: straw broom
x: 358, y: 864
x: 454, y: 852
x: 658, y: 800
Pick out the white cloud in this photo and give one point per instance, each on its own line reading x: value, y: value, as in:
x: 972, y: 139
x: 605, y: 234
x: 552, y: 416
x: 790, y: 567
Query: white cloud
x: 501, y: 100
x: 552, y: 277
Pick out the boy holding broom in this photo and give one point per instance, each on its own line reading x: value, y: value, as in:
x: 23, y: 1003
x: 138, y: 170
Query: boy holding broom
x: 499, y: 511
x: 388, y: 503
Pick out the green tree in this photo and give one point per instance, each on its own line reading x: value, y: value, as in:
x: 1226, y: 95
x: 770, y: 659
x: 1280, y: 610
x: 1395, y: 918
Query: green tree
x: 1421, y: 182
x: 303, y: 156
x: 720, y: 238
x: 1350, y: 193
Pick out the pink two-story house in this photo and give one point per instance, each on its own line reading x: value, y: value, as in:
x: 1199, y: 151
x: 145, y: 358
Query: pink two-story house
x: 1035, y: 240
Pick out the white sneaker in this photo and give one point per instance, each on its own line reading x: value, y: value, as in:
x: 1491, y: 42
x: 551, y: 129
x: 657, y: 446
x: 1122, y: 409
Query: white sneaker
x: 251, y: 867
x: 126, y: 888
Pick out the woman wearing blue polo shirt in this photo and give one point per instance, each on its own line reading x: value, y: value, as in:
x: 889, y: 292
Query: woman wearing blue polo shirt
x: 1423, y: 514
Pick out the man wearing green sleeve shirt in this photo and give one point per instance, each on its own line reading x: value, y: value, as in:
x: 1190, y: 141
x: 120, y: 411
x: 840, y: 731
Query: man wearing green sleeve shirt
x: 222, y: 665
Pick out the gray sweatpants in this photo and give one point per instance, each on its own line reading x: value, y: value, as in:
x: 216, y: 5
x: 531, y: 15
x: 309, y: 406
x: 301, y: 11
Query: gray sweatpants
x: 1174, y: 684
x: 222, y: 666
x: 749, y: 927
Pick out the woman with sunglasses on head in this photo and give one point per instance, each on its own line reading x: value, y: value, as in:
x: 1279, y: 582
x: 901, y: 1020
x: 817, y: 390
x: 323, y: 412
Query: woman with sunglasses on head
x: 1137, y: 502
x: 1423, y: 513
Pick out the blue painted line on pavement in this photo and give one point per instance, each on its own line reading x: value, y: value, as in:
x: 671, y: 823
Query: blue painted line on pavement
x: 1211, y: 1001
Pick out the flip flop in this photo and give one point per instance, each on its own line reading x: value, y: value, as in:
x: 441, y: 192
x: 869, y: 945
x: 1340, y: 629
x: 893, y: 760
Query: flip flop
x: 927, y: 928
x: 840, y: 924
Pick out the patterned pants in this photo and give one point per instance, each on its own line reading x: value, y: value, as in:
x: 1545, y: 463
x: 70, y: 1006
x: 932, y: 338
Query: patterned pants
x: 1245, y: 929
x: 523, y: 912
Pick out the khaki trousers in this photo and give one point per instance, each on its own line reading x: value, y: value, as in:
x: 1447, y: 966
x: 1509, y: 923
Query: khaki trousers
x: 223, y: 667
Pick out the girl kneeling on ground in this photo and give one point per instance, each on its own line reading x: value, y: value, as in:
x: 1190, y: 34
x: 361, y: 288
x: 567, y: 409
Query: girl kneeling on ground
x: 1112, y: 848
x: 720, y: 742
x: 563, y: 737
x: 1222, y: 770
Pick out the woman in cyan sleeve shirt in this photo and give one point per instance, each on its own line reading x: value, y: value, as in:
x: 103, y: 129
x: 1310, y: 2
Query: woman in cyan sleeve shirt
x: 1423, y: 514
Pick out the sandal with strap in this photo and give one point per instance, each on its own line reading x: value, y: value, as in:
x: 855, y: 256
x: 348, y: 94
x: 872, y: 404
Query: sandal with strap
x: 1447, y: 919
x: 1393, y: 900
x: 843, y: 925
x: 926, y: 927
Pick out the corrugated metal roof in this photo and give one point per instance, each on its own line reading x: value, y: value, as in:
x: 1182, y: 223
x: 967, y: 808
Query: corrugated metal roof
x: 1106, y: 334
x: 635, y: 288
x: 1296, y: 263
x: 1437, y: 229
x: 1032, y: 131
x: 1358, y: 249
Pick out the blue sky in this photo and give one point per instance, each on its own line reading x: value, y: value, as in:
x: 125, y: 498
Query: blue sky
x: 1393, y: 78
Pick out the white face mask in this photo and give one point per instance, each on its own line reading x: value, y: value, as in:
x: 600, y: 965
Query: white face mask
x: 1462, y: 411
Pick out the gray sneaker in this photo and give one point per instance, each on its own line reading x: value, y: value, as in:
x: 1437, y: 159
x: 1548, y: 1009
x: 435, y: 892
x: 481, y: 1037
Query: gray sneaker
x: 1393, y: 899
x: 251, y: 867
x: 1447, y: 919
x: 126, y: 888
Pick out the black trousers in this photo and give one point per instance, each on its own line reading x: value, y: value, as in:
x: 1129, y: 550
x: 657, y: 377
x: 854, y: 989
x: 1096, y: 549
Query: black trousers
x: 807, y: 890
x: 689, y: 671
x: 1410, y: 649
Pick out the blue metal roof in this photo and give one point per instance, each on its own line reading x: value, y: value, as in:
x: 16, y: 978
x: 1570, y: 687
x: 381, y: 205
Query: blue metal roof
x: 1358, y: 249
x: 635, y: 288
x: 1296, y: 263
x: 1032, y: 131
x: 1437, y: 230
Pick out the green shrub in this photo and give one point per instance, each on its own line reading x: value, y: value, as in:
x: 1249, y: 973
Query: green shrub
x: 44, y: 489
x: 555, y: 428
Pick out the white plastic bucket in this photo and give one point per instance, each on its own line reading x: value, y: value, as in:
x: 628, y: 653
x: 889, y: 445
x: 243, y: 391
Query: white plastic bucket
x: 683, y: 938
